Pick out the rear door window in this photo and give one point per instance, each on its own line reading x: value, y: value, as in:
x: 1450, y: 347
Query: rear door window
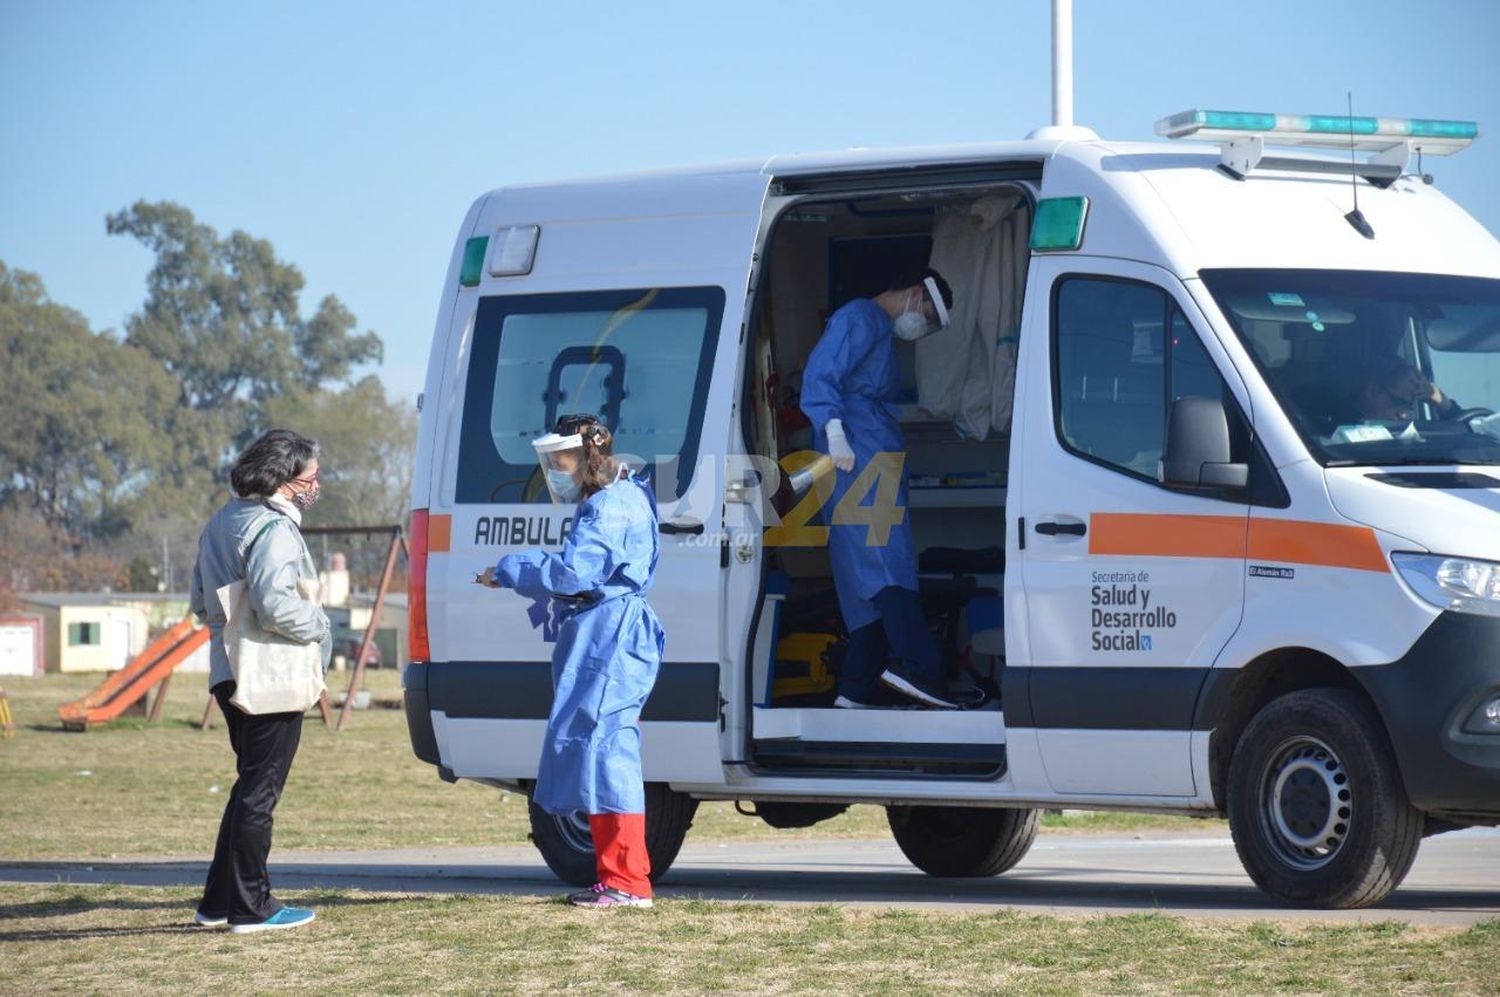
x: 639, y: 359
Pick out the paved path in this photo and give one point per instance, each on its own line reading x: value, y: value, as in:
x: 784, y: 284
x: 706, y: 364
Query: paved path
x: 1455, y: 881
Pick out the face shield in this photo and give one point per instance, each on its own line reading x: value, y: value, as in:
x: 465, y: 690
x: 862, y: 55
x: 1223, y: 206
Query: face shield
x: 561, y: 458
x: 924, y: 315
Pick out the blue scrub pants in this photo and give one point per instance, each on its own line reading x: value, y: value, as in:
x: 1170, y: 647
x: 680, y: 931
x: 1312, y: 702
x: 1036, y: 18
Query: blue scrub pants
x: 901, y: 632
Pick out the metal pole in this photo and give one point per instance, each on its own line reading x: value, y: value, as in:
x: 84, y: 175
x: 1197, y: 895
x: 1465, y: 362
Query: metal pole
x: 1062, y: 63
x: 397, y: 543
x: 161, y: 697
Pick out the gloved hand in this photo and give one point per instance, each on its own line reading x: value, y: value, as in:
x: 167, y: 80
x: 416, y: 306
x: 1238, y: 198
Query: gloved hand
x: 838, y: 445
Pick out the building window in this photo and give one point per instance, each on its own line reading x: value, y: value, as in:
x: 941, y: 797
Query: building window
x: 85, y: 634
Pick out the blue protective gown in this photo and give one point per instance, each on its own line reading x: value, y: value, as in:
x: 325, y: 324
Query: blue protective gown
x: 853, y: 375
x: 608, y: 650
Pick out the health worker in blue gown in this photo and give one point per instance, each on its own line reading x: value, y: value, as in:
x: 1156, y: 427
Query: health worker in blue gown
x: 609, y: 648
x: 849, y: 389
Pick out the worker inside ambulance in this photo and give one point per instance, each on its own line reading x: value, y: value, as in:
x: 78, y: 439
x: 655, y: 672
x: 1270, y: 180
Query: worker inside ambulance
x: 849, y: 388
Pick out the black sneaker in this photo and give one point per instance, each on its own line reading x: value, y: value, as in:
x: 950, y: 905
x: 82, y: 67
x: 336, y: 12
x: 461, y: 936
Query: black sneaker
x: 926, y: 693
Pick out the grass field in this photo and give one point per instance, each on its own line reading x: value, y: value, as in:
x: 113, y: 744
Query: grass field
x: 70, y: 938
x: 132, y: 788
x: 139, y: 789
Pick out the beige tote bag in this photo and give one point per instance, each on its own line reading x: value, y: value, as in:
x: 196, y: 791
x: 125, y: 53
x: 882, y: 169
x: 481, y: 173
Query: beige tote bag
x: 271, y: 673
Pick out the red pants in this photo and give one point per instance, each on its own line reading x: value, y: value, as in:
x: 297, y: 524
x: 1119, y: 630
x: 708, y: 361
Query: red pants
x: 620, y: 848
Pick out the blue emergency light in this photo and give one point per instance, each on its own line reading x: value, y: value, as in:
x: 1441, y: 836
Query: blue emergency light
x: 1327, y: 130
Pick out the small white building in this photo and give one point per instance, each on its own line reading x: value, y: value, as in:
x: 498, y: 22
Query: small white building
x: 88, y: 631
x: 21, y: 645
x: 103, y: 631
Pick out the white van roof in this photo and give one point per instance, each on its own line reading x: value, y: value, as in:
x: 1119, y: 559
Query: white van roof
x: 1158, y: 202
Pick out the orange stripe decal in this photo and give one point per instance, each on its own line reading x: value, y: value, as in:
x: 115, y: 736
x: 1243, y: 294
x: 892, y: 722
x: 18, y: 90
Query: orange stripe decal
x: 1290, y: 541
x: 1329, y: 544
x: 1120, y: 533
x: 439, y: 534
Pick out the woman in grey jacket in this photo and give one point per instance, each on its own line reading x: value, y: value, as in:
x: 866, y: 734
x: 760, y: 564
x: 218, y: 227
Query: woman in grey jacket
x: 255, y: 536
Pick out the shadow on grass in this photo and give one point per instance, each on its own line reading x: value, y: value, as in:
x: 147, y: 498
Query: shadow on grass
x: 78, y: 903
x: 81, y: 904
x: 84, y: 934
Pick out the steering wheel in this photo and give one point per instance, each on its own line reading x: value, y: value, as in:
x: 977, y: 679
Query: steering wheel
x: 1469, y: 414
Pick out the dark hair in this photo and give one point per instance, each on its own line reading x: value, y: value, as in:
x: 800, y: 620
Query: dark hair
x: 914, y: 278
x: 270, y: 462
x: 600, y: 467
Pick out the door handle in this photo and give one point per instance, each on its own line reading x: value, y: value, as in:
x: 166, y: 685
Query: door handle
x: 1053, y: 529
x: 689, y: 526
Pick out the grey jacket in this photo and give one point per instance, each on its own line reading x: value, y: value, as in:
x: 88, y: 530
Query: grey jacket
x: 271, y: 566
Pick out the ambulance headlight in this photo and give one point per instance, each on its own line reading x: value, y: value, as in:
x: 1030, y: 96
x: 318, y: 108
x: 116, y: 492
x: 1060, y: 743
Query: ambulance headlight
x: 1455, y: 583
x: 1485, y: 719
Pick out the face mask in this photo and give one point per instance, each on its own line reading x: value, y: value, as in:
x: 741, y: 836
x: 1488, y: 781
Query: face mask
x: 564, y: 485
x: 306, y: 497
x: 911, y: 324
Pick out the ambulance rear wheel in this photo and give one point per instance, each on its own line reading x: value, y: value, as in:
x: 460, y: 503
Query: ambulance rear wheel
x: 1316, y: 805
x: 567, y: 846
x: 963, y: 841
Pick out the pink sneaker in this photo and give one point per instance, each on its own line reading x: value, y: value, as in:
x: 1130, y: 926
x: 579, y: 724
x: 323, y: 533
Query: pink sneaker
x: 600, y: 897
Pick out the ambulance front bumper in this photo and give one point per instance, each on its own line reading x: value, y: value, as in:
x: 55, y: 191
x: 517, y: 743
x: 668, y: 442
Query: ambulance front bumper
x: 1433, y: 701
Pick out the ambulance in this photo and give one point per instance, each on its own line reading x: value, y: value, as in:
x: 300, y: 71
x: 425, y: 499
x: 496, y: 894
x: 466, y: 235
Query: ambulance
x: 1204, y: 479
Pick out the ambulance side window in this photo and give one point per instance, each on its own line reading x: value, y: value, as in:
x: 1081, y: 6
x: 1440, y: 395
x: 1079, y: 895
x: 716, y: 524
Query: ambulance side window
x: 1115, y: 372
x: 1108, y: 376
x: 638, y: 359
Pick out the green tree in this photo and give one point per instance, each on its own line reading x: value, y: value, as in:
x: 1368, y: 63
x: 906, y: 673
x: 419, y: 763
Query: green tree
x: 85, y: 414
x: 115, y: 451
x: 224, y: 316
x: 141, y: 575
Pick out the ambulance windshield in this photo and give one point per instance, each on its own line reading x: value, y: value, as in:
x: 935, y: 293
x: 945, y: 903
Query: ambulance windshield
x: 1375, y: 368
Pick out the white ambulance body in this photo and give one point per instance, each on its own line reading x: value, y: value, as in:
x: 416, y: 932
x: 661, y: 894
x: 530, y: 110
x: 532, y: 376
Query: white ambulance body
x: 1203, y: 573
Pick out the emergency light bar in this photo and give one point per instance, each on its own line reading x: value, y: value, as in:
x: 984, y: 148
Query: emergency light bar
x: 1243, y: 136
x: 1329, y: 131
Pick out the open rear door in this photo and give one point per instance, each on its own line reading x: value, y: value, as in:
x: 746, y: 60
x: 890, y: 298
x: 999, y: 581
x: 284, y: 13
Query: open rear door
x: 631, y: 309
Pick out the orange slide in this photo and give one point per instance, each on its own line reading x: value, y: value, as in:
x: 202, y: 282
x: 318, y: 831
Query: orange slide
x: 125, y: 687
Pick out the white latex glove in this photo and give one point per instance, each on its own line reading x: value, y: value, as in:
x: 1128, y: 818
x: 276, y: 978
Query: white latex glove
x: 838, y: 445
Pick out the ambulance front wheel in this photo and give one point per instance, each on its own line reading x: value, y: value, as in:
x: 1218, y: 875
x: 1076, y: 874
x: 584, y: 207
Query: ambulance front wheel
x: 1316, y: 805
x: 963, y: 841
x: 568, y: 848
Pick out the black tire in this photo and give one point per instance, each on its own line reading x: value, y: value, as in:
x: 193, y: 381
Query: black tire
x: 963, y: 841
x: 1316, y: 805
x: 568, y: 848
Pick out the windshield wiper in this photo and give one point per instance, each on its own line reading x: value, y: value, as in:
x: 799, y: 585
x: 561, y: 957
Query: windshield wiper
x: 1433, y: 461
x: 1412, y: 462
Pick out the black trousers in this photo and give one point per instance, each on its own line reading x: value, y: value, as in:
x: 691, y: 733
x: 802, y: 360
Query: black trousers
x: 264, y: 745
x: 901, y: 630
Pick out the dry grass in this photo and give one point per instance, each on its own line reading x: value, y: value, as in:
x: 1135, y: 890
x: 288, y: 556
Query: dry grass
x: 71, y: 938
x: 138, y: 789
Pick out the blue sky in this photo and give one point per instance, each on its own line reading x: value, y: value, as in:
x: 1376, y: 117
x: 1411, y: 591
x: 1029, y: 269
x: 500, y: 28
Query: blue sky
x: 354, y: 135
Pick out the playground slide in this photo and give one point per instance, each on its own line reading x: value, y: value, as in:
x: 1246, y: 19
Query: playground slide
x: 124, y: 688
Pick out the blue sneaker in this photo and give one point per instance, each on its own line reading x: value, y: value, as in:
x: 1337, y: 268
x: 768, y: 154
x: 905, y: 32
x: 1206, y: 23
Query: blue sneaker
x: 286, y: 917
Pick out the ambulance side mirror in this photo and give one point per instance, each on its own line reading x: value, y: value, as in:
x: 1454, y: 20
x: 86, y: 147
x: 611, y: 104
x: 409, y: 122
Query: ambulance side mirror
x: 1198, y: 450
